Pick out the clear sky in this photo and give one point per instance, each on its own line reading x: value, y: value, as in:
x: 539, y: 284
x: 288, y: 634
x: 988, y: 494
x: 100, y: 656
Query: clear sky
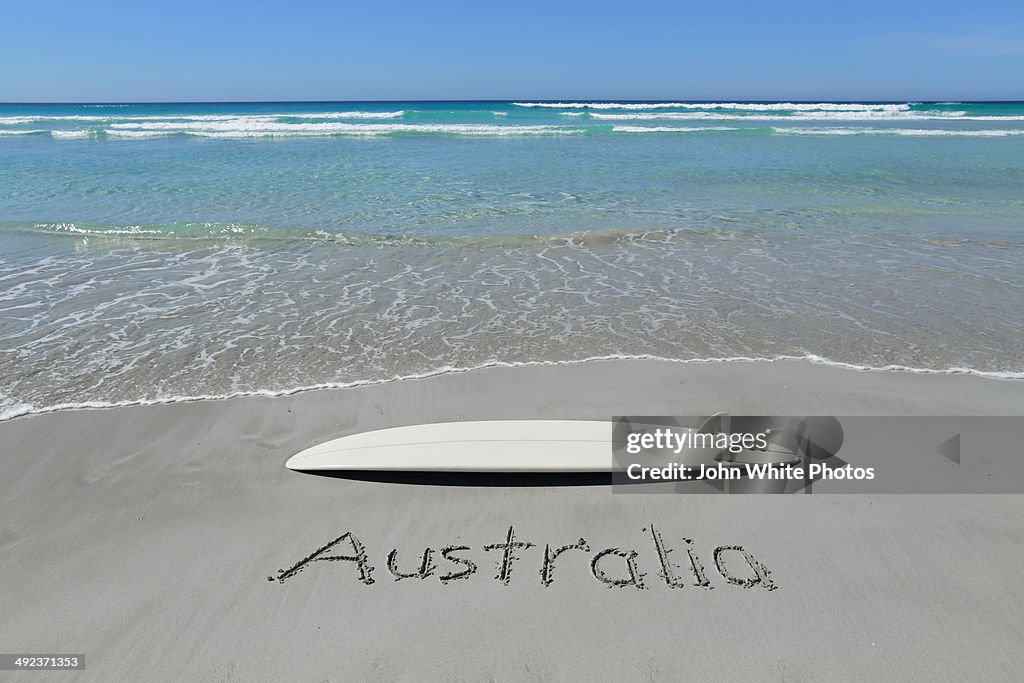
x: 223, y: 50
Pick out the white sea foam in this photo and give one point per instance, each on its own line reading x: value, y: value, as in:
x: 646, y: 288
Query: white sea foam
x: 739, y: 106
x: 17, y: 120
x: 911, y: 132
x: 20, y: 120
x: 347, y: 115
x: 69, y: 134
x: 257, y: 127
x: 361, y: 123
x: 798, y: 116
x: 138, y: 133
x: 670, y: 129
x: 134, y: 230
x: 10, y: 409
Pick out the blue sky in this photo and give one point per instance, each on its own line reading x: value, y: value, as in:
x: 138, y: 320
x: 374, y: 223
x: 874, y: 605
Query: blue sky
x: 68, y: 50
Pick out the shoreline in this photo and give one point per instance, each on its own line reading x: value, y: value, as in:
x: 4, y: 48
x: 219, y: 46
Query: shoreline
x: 20, y: 411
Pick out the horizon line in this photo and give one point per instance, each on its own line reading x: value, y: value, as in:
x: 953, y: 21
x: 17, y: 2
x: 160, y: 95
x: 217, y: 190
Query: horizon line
x: 523, y: 99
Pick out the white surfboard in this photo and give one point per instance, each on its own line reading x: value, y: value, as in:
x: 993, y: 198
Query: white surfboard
x: 514, y: 446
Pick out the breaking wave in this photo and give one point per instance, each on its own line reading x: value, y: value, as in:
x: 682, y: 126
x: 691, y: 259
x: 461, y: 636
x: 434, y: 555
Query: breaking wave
x: 913, y: 132
x: 738, y: 106
x: 503, y: 120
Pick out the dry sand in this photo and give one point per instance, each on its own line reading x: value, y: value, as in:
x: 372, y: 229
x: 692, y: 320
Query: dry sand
x: 144, y: 538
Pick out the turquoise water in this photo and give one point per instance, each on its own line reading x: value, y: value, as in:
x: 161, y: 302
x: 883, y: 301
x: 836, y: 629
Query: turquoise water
x: 157, y: 252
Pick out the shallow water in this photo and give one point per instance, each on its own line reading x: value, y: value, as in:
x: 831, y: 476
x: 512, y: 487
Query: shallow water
x: 156, y: 251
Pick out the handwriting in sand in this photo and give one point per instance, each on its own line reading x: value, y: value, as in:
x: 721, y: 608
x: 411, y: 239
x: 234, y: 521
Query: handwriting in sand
x: 614, y: 567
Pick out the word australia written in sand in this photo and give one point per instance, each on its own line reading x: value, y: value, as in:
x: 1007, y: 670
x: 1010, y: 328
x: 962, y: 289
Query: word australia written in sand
x: 676, y: 565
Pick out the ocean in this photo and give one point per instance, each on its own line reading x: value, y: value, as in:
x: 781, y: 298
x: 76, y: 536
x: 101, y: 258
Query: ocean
x: 164, y: 252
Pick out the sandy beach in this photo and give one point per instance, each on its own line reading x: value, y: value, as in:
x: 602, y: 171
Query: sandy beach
x: 144, y: 538
x: 475, y: 342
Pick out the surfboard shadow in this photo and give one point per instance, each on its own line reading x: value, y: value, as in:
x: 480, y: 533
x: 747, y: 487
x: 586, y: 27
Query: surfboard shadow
x: 487, y: 479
